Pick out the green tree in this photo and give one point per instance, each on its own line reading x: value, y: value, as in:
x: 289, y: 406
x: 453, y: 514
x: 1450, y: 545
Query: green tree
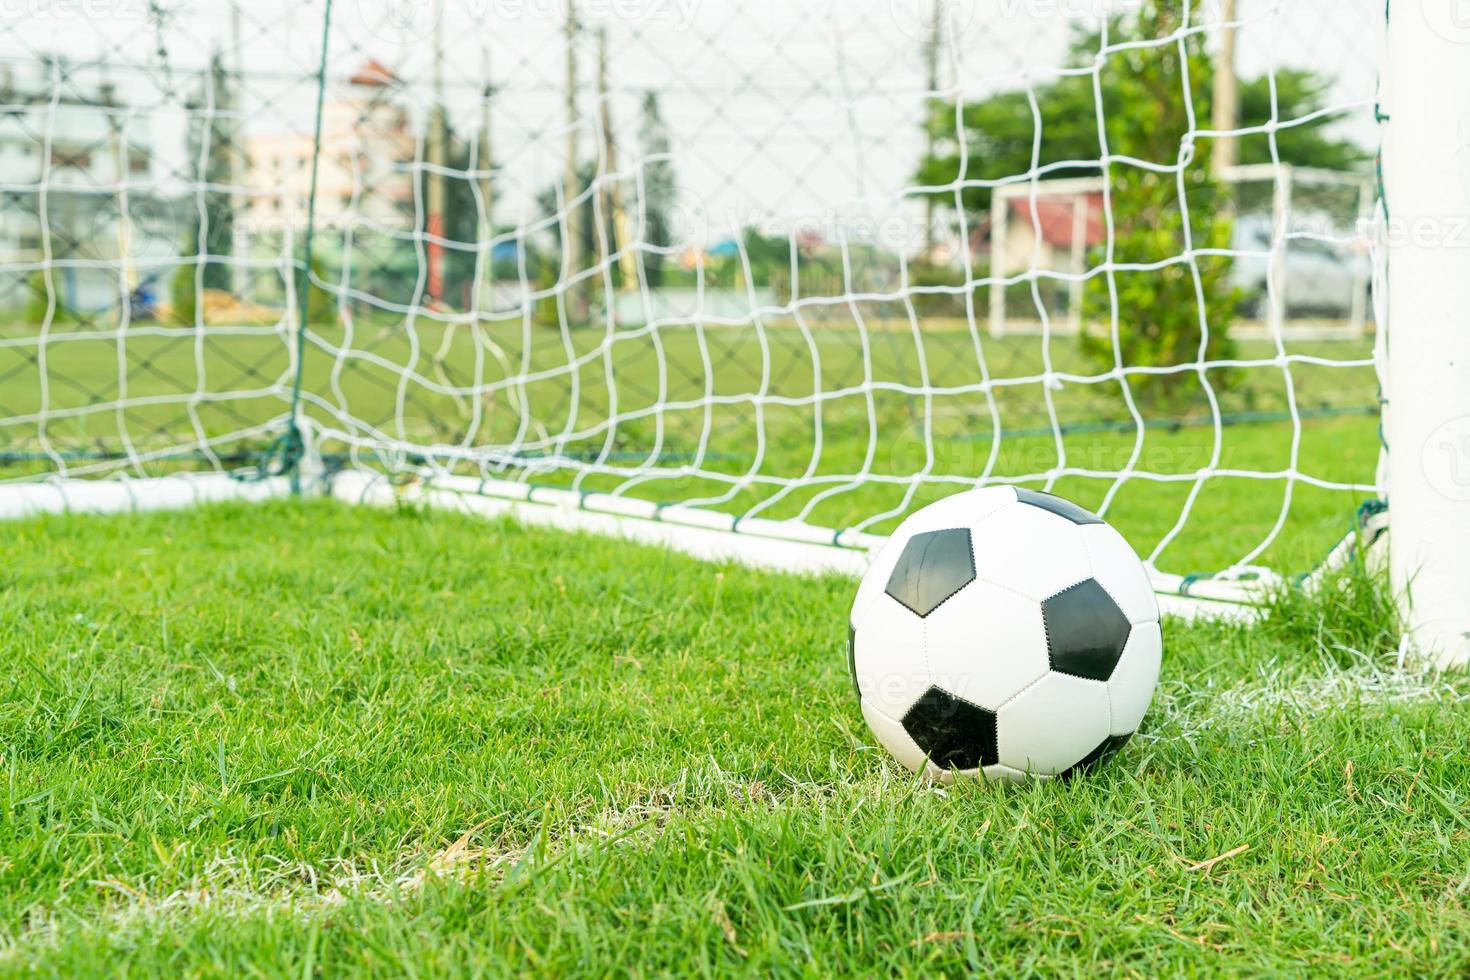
x: 549, y: 205
x: 461, y: 218
x: 660, y: 188
x: 998, y: 133
x: 1160, y: 218
x: 1148, y: 95
x: 183, y: 294
x: 210, y: 142
x: 38, y: 302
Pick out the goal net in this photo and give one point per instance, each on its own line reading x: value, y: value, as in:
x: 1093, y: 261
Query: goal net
x: 784, y: 269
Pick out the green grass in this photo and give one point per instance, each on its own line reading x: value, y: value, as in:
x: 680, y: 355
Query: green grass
x: 377, y: 380
x: 304, y: 739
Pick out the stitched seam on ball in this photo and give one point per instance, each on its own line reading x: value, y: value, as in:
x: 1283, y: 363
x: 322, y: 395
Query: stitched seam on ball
x: 1078, y: 585
x: 1091, y: 568
x: 1011, y: 589
x: 883, y: 714
x: 971, y: 538
x: 945, y: 599
x: 1001, y: 707
x: 924, y: 640
x: 995, y: 728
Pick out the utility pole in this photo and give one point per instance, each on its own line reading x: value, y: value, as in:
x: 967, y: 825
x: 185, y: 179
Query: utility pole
x: 612, y: 194
x: 1225, y: 111
x: 118, y: 147
x: 485, y: 160
x: 239, y: 270
x: 437, y: 156
x: 931, y: 63
x: 572, y: 247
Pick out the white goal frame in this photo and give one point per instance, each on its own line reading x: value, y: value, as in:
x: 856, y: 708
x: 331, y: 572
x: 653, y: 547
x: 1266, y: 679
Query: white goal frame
x: 1421, y: 294
x: 1426, y: 177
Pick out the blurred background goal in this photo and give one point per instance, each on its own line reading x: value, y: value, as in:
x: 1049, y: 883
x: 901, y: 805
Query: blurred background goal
x: 792, y: 269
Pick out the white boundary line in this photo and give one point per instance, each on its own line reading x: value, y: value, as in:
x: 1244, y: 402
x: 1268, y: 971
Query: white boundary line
x: 126, y: 495
x: 786, y: 546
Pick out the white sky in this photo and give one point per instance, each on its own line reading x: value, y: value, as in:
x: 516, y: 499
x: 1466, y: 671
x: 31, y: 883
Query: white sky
x: 805, y: 110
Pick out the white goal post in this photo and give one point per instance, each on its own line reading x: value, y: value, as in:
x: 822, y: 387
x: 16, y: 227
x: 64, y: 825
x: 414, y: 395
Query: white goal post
x: 541, y: 260
x: 1426, y: 167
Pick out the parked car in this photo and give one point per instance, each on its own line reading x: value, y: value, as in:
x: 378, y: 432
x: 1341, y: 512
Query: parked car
x: 1319, y: 278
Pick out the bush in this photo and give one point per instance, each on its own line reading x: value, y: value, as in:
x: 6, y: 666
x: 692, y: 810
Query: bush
x: 1349, y: 616
x: 38, y: 301
x: 183, y: 294
x: 1159, y: 310
x: 321, y: 305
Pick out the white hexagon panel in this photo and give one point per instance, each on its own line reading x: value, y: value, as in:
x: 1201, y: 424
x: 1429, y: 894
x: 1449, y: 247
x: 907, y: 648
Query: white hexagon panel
x: 1117, y: 568
x: 1131, y: 688
x: 1053, y: 725
x: 1030, y: 550
x: 887, y: 652
x: 986, y: 644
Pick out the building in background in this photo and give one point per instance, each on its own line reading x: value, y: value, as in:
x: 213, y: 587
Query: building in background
x: 365, y: 174
x: 82, y: 196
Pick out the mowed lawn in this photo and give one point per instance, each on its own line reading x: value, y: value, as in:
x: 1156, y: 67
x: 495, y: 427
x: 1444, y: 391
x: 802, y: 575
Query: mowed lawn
x: 301, y: 739
x: 822, y: 421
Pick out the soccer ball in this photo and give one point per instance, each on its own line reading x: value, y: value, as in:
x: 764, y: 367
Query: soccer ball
x: 1004, y: 632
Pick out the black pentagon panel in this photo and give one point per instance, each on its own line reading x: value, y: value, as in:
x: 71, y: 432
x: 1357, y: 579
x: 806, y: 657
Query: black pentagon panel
x: 934, y: 566
x: 1085, y: 631
x: 1097, y: 756
x: 852, y: 659
x: 1060, y: 506
x: 952, y: 732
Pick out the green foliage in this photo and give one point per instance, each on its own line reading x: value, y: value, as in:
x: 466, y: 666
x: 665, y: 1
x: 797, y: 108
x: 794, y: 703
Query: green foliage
x: 184, y: 293
x: 321, y: 305
x: 1161, y: 312
x: 1147, y: 100
x: 211, y: 129
x: 42, y: 298
x: 581, y: 217
x: 940, y: 303
x: 660, y: 190
x: 999, y: 132
x: 1349, y: 617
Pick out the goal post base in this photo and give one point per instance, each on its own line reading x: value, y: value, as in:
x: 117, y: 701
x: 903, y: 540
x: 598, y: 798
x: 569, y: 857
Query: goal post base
x: 782, y: 546
x: 134, y: 495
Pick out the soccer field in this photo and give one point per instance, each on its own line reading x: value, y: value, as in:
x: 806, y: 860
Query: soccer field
x: 309, y: 739
x: 852, y: 416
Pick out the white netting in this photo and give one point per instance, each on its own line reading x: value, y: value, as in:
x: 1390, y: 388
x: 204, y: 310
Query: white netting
x: 808, y: 261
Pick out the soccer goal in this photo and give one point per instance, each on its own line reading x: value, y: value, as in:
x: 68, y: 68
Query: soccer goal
x: 757, y: 280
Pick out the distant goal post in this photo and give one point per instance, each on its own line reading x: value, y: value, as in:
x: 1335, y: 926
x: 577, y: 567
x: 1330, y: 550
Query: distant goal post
x: 1050, y: 229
